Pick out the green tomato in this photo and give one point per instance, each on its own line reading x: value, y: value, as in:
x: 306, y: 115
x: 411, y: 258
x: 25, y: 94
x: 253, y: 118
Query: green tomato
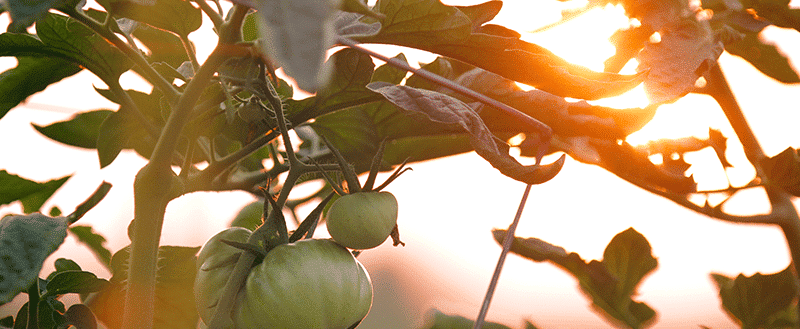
x: 362, y: 220
x: 306, y: 284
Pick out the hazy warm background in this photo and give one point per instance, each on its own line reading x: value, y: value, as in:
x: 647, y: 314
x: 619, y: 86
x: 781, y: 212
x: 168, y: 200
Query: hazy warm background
x: 449, y: 206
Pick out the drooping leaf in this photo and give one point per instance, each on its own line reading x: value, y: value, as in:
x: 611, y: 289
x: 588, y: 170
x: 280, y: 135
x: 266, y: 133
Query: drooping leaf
x: 610, y: 283
x: 783, y: 170
x: 16, y: 84
x: 758, y: 300
x: 764, y: 57
x: 30, y: 193
x: 81, y: 130
x: 174, y: 300
x: 450, y: 111
x: 688, y: 49
x: 439, y: 320
x: 177, y: 16
x: 565, y: 118
x: 78, y: 282
x: 27, y: 241
x: 95, y: 242
x: 297, y: 33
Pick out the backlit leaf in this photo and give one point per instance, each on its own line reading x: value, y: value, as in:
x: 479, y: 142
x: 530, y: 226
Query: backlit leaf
x: 177, y: 16
x: 16, y: 84
x: 765, y: 57
x: 81, y: 130
x: 95, y: 242
x: 27, y: 241
x: 783, y: 170
x: 30, y: 193
x: 440, y: 320
x: 688, y: 49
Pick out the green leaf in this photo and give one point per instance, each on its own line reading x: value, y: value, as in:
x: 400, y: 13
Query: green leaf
x: 74, y: 41
x: 759, y: 299
x: 764, y: 57
x: 444, y: 321
x: 63, y: 265
x: 611, y: 282
x: 352, y: 71
x: 7, y: 322
x: 440, y: 66
x: 80, y: 316
x: 174, y: 302
x: 297, y: 34
x: 447, y: 110
x: 16, y: 84
x: 481, y: 13
x: 50, y: 313
x: 81, y: 130
x: 164, y: 46
x: 32, y: 194
x: 177, y: 16
x: 389, y: 73
x: 783, y: 170
x: 120, y: 130
x: 250, y: 216
x: 27, y: 241
x: 95, y: 242
x: 79, y: 282
x: 422, y: 21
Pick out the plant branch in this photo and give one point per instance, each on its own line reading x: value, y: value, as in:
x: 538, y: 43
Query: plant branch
x: 138, y: 59
x: 212, y: 14
x: 782, y: 207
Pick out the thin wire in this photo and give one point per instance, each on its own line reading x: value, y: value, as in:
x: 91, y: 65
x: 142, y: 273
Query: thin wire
x: 509, y: 238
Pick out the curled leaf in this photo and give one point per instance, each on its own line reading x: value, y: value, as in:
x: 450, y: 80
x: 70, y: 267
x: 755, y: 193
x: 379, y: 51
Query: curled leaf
x: 448, y: 110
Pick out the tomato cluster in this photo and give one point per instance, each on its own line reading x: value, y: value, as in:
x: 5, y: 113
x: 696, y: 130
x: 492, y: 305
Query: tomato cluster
x: 312, y: 283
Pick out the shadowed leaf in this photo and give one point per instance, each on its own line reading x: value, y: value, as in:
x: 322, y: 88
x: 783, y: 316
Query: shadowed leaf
x: 95, y: 242
x: 16, y: 84
x: 454, y: 113
x: 32, y: 194
x: 177, y: 16
x: 759, y: 300
x: 81, y: 130
x: 783, y: 170
x: 765, y: 57
x: 27, y: 241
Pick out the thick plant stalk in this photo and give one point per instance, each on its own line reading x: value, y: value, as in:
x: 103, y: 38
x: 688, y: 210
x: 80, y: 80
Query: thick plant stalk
x: 783, y: 210
x: 151, y: 195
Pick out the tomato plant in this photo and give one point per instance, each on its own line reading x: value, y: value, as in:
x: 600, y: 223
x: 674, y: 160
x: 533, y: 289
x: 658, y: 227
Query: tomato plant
x: 312, y: 283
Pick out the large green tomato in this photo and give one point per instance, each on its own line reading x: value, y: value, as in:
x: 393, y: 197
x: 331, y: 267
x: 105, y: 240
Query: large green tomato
x: 306, y: 284
x: 362, y: 220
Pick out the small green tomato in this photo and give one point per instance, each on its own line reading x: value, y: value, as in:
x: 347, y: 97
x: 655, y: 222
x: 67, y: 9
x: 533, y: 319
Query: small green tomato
x: 362, y: 220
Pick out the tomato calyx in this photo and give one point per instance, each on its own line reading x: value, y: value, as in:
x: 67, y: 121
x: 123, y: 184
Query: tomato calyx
x: 364, y: 216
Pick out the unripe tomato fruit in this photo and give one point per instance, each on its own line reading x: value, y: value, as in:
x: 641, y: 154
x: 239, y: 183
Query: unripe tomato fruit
x: 311, y: 283
x: 362, y: 220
